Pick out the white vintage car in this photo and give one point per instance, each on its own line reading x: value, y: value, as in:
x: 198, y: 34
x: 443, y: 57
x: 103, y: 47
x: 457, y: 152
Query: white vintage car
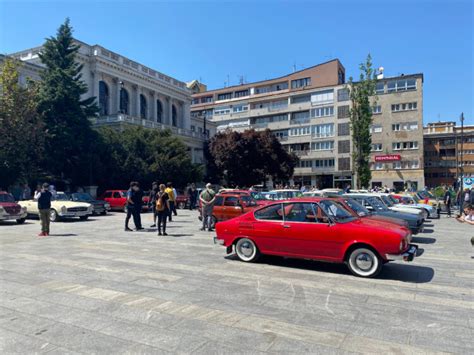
x: 61, y: 207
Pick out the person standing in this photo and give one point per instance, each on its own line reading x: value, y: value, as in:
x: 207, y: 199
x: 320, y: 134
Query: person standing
x: 162, y: 208
x: 152, y: 201
x: 447, y: 200
x: 134, y: 206
x: 172, y: 198
x: 207, y: 198
x: 192, y: 195
x: 26, y: 194
x: 43, y: 196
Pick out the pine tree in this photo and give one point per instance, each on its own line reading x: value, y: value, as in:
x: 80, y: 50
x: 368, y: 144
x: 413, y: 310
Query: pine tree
x: 65, y: 112
x: 361, y: 119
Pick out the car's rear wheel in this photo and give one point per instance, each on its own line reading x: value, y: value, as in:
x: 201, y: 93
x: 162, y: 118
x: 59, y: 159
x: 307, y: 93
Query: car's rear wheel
x: 21, y: 220
x: 53, y: 215
x: 364, y: 262
x: 426, y: 214
x: 83, y: 218
x: 246, y: 250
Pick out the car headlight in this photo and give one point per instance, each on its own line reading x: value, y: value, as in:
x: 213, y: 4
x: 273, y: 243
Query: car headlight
x: 107, y: 205
x: 63, y: 209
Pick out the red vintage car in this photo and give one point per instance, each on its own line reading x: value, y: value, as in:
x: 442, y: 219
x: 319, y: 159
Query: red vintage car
x: 227, y: 206
x: 118, y: 200
x: 256, y: 196
x: 316, y: 228
x: 10, y: 210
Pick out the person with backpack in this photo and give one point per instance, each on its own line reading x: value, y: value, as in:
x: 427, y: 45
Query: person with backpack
x: 172, y: 198
x: 162, y: 208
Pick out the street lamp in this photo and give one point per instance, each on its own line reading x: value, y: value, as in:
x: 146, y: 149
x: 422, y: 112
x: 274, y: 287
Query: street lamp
x: 462, y: 163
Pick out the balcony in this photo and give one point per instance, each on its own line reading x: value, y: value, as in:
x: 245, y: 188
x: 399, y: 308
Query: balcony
x: 135, y: 121
x: 300, y: 121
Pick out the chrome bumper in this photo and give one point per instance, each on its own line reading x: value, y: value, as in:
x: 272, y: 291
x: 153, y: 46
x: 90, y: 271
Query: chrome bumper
x: 74, y: 214
x: 11, y: 216
x: 409, y: 255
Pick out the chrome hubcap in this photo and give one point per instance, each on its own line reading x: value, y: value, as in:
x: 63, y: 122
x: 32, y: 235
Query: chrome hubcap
x: 364, y: 261
x: 246, y: 249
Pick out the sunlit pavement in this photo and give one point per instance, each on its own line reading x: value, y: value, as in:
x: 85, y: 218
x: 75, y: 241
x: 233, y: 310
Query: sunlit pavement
x: 92, y: 288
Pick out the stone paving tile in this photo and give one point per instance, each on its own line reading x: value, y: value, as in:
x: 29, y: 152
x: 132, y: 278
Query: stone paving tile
x: 100, y: 290
x: 14, y: 343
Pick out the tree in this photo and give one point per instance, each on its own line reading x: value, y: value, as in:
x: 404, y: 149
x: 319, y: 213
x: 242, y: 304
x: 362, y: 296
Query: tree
x: 145, y: 155
x: 361, y: 119
x: 248, y: 158
x: 21, y: 127
x: 65, y: 113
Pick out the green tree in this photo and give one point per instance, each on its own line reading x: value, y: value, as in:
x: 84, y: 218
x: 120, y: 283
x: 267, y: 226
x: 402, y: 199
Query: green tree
x: 145, y: 155
x: 21, y: 128
x: 247, y: 158
x: 361, y: 119
x: 68, y: 147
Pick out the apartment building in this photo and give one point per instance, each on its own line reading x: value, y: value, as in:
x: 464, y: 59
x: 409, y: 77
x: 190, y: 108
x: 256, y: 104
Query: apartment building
x: 309, y: 111
x: 445, y: 156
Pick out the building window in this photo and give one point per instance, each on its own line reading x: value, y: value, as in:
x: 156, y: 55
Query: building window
x: 225, y: 96
x: 377, y: 147
x: 409, y: 106
x: 300, y: 99
x: 376, y: 110
x: 143, y: 106
x: 103, y: 98
x: 408, y: 126
x: 322, y: 111
x: 344, y: 146
x: 206, y: 99
x: 300, y: 131
x: 306, y: 164
x: 300, y: 83
x: 397, y: 165
x: 195, y: 102
x: 343, y: 129
x: 221, y: 110
x: 378, y: 166
x: 240, y: 108
x: 174, y: 116
x: 321, y: 97
x: 375, y: 129
x: 323, y: 130
x: 124, y: 101
x: 344, y: 164
x: 324, y: 163
x: 343, y: 95
x: 405, y: 145
x: 193, y: 128
x: 379, y: 88
x: 327, y: 145
x: 343, y: 111
x: 341, y: 76
x: 281, y: 133
x: 159, y: 111
x: 300, y: 117
x: 401, y: 85
x: 241, y: 93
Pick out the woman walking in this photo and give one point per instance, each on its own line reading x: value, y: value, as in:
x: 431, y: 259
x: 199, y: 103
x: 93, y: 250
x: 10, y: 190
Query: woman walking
x: 162, y: 208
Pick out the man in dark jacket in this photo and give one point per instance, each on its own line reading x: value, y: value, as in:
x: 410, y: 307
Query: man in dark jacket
x: 134, y: 206
x: 152, y: 201
x: 447, y: 200
x: 43, y: 197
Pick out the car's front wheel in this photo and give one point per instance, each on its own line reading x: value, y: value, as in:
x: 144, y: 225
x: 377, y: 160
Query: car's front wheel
x: 53, y: 215
x: 364, y: 262
x: 83, y: 218
x: 246, y: 250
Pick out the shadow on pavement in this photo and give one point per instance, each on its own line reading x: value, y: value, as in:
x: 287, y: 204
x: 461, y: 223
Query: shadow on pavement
x: 423, y: 240
x: 13, y: 223
x: 428, y: 230
x: 392, y: 271
x: 63, y: 235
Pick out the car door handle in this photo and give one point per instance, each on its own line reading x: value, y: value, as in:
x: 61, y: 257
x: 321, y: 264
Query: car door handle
x: 286, y: 226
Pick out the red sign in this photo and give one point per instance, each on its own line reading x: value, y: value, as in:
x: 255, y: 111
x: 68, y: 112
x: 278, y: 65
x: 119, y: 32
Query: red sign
x: 388, y: 157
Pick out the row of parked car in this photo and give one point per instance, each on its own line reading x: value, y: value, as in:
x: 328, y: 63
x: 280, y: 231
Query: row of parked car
x: 361, y: 229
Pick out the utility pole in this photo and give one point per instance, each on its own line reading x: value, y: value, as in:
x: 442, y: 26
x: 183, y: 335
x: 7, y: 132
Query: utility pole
x: 461, y: 184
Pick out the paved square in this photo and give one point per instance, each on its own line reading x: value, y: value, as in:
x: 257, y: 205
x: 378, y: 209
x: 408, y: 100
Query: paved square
x: 92, y: 288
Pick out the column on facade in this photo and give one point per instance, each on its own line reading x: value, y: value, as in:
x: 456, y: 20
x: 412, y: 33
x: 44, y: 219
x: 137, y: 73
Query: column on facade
x: 186, y: 115
x: 193, y: 158
x: 170, y: 112
x: 95, y: 80
x: 152, y: 112
x: 116, y: 98
x: 137, y: 101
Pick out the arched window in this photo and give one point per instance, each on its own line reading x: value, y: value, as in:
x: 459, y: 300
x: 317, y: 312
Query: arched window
x: 124, y: 101
x: 174, y: 116
x: 159, y: 111
x: 103, y: 98
x: 143, y: 106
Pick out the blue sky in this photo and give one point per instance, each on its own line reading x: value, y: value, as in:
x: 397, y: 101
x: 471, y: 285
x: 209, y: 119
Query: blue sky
x: 262, y: 39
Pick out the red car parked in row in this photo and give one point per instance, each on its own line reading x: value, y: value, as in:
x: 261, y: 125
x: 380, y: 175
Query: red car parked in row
x: 118, y: 200
x: 228, y: 205
x: 10, y: 210
x: 316, y: 228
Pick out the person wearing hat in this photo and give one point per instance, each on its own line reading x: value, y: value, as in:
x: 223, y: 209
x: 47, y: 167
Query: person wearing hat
x: 43, y: 196
x: 207, y: 198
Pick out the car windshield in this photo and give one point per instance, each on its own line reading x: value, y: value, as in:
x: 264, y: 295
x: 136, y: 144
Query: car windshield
x: 416, y: 199
x: 336, y: 211
x: 393, y: 199
x: 357, y: 207
x: 377, y: 204
x: 247, y: 200
x: 257, y: 195
x: 81, y: 197
x: 61, y: 196
x: 6, y: 198
x: 387, y: 201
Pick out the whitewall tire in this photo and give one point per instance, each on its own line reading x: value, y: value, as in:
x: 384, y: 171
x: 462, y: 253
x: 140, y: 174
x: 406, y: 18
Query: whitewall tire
x: 246, y: 250
x: 364, y: 262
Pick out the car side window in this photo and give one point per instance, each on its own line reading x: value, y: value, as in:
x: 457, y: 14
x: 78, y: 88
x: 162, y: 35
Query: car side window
x: 219, y: 200
x: 117, y: 195
x: 300, y: 212
x: 108, y: 194
x: 231, y: 201
x: 270, y: 213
